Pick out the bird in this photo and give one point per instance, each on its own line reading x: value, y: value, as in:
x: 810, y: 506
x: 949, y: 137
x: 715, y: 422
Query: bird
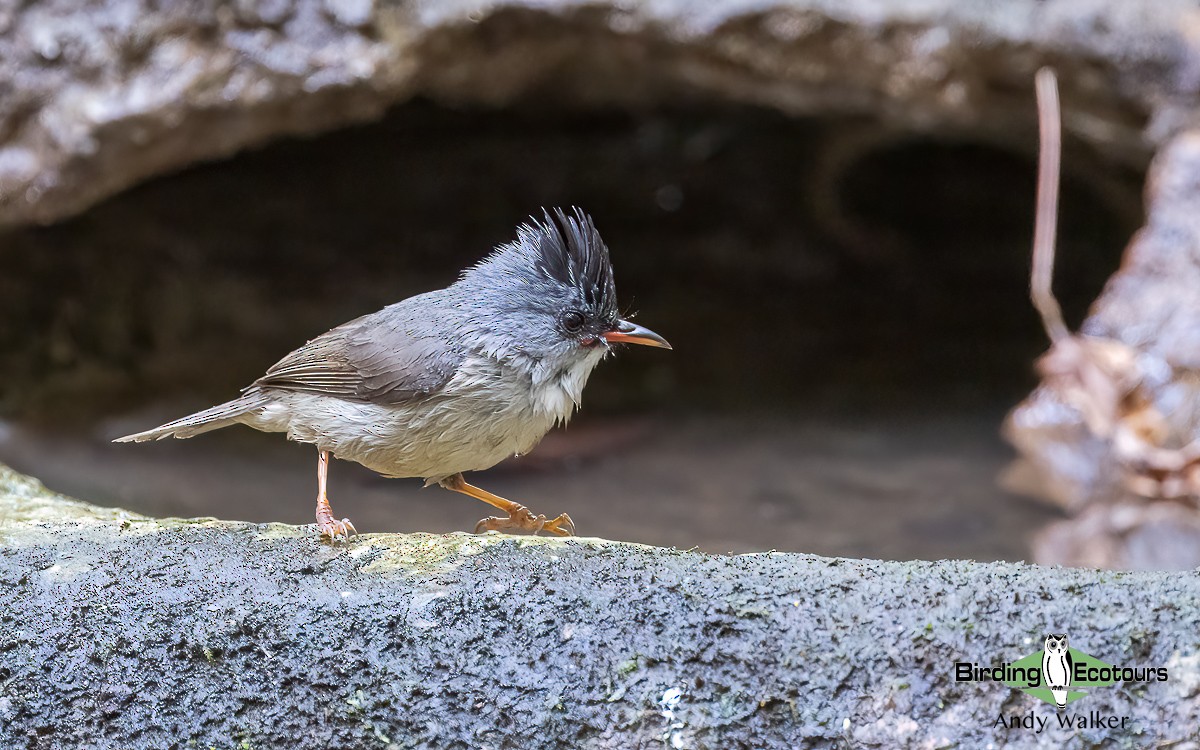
x: 450, y: 381
x: 1057, y: 666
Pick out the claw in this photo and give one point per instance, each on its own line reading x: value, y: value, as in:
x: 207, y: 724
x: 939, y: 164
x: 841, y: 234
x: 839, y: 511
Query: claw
x: 519, y: 516
x: 563, y: 526
x: 523, y: 520
x: 336, y: 530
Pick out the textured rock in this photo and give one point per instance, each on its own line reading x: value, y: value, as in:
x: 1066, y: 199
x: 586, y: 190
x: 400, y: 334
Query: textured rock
x: 91, y: 103
x: 1153, y: 304
x: 120, y: 631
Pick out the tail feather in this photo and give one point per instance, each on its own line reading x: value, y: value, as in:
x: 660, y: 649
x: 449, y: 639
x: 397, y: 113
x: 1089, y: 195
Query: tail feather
x: 214, y: 418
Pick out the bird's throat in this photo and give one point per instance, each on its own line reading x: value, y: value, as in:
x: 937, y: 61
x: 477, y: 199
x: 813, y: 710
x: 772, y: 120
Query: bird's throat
x: 559, y: 395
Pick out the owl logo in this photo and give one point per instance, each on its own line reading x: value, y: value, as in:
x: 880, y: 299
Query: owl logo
x: 1057, y: 667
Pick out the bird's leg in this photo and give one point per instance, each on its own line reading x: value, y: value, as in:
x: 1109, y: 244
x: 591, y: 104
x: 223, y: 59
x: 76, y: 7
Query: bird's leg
x: 326, y: 523
x: 519, y: 517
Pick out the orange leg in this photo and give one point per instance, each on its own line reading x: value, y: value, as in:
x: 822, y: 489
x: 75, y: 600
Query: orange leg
x: 519, y: 517
x: 326, y: 523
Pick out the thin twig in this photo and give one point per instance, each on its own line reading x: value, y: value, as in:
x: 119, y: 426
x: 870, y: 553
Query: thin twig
x: 1046, y: 221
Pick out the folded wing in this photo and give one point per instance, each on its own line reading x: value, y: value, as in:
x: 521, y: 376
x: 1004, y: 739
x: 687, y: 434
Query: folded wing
x: 381, y: 358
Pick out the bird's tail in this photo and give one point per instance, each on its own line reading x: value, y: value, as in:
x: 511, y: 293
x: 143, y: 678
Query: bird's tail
x: 221, y: 415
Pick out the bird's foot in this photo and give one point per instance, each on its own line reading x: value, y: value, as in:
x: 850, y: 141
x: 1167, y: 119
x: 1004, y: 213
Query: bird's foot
x: 333, y: 528
x: 521, y: 518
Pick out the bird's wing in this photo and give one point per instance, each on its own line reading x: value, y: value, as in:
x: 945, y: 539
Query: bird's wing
x: 376, y: 358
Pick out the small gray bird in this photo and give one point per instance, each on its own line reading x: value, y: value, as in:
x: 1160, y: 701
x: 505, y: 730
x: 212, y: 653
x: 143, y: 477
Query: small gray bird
x: 452, y: 380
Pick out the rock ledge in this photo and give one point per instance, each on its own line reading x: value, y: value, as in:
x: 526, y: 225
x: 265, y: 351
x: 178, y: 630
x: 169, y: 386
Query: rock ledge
x: 122, y: 631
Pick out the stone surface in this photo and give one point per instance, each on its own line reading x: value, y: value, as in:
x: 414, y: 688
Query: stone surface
x: 91, y: 103
x: 1153, y: 304
x: 122, y: 631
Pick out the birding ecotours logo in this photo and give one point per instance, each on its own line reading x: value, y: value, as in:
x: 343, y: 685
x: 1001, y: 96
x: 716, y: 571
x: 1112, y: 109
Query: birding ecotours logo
x: 1056, y: 673
x: 1060, y: 672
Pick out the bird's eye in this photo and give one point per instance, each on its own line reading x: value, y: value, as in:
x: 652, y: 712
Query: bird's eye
x: 572, y: 320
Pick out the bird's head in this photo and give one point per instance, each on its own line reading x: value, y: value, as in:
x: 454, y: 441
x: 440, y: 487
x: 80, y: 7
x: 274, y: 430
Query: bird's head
x: 548, y: 299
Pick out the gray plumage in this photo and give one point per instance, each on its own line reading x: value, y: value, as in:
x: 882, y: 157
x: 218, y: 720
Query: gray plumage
x: 213, y: 418
x: 452, y: 380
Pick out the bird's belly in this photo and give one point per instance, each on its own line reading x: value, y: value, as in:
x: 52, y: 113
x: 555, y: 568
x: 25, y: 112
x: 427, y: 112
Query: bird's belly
x: 432, y: 439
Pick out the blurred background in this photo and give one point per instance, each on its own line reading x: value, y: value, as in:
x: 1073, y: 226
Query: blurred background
x: 847, y: 297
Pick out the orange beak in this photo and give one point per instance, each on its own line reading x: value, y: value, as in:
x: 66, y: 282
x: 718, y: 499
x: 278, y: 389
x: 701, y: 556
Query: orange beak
x: 632, y: 333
